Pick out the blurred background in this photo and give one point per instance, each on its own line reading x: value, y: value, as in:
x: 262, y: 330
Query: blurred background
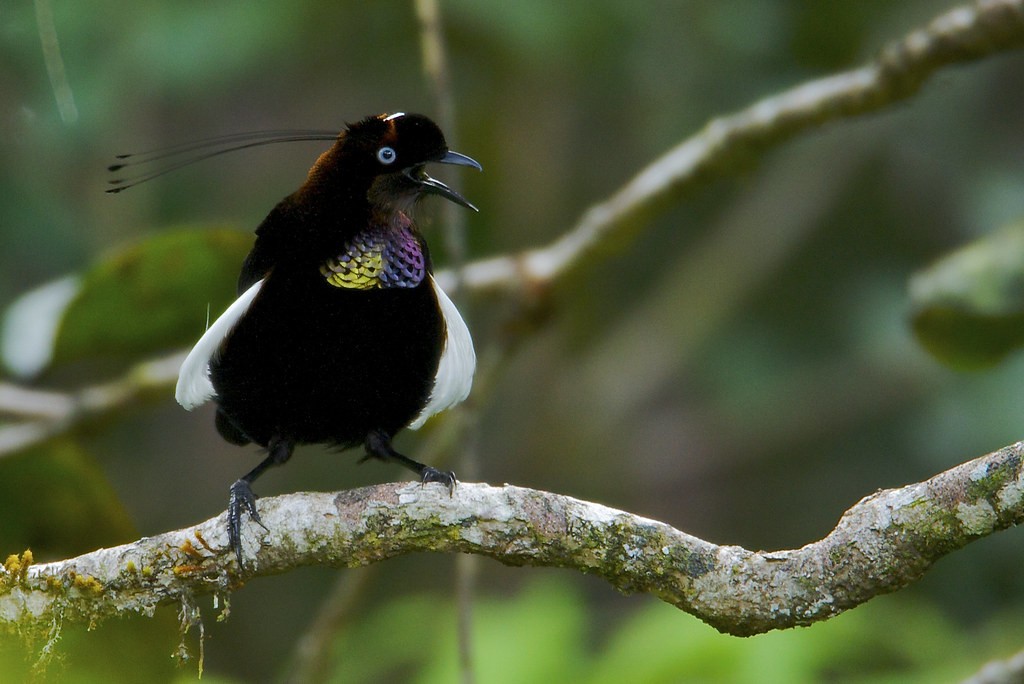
x: 742, y: 367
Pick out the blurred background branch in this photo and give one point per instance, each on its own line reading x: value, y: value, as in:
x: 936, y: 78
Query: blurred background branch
x: 54, y: 413
x: 729, y: 143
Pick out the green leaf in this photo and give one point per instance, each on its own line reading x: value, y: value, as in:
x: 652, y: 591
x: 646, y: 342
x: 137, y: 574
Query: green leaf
x: 968, y: 307
x: 152, y: 296
x: 55, y: 500
x: 540, y: 636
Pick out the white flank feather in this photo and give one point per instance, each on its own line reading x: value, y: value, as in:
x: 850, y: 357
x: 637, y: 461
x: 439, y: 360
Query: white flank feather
x: 454, y: 376
x: 194, y: 387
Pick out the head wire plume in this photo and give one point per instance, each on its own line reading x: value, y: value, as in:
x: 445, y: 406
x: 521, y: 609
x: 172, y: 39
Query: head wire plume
x: 155, y: 163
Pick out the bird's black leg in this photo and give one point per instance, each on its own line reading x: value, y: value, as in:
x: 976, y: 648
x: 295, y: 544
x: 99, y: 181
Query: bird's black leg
x: 378, y: 445
x: 242, y: 497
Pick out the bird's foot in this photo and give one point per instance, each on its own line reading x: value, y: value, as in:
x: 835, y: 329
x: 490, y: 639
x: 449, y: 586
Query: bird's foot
x: 241, y: 498
x: 445, y: 477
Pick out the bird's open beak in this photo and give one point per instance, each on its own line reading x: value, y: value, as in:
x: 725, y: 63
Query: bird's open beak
x: 434, y: 186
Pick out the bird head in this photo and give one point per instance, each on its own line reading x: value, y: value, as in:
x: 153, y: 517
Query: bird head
x: 391, y: 151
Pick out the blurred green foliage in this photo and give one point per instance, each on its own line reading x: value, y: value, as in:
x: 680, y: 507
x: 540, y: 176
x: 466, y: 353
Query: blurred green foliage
x: 547, y: 633
x: 79, y: 512
x: 745, y: 369
x: 968, y: 308
x: 143, y: 284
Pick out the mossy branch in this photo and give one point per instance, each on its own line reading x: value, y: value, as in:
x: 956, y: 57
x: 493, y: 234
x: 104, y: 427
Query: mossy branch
x: 883, y: 543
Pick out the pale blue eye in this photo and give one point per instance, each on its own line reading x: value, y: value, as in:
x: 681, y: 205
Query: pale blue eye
x: 386, y: 155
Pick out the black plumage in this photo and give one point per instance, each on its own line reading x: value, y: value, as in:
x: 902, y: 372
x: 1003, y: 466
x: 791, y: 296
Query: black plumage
x: 340, y: 334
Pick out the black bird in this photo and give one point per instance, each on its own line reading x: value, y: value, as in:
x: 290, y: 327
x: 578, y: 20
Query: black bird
x: 339, y: 335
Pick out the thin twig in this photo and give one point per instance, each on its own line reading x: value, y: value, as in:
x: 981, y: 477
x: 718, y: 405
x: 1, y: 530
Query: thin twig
x: 63, y: 412
x: 62, y: 92
x: 22, y: 401
x: 311, y: 659
x: 435, y: 66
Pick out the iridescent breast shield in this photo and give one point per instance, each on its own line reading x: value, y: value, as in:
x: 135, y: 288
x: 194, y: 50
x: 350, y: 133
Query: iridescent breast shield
x: 380, y: 257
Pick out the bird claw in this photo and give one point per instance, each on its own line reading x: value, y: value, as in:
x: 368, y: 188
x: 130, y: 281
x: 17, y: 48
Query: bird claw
x: 445, y: 477
x: 241, y: 498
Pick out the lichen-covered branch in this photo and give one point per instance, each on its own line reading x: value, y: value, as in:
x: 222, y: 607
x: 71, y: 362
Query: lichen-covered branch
x: 883, y: 543
x: 959, y: 36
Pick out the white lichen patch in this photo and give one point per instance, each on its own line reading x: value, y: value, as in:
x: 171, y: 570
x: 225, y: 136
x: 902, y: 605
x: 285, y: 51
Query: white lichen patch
x: 596, y: 514
x: 633, y: 552
x: 980, y: 472
x: 427, y: 501
x: 18, y: 603
x: 410, y: 494
x: 1010, y: 496
x: 978, y: 518
x: 474, y: 535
